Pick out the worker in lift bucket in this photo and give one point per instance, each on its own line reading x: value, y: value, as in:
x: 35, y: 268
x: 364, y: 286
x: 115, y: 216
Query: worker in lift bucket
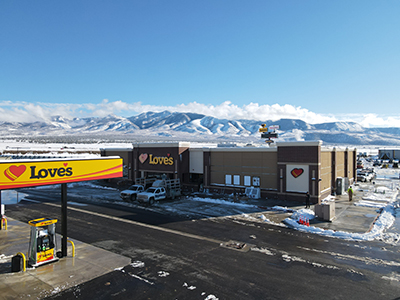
x: 350, y: 192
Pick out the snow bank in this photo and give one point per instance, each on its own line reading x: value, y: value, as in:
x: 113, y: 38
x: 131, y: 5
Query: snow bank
x: 223, y: 202
x: 383, y: 222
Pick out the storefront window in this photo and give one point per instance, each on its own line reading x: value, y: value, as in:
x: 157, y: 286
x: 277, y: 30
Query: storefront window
x: 236, y: 179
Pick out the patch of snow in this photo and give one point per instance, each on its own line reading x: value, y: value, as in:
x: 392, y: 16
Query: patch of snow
x: 263, y: 250
x: 137, y: 264
x: 162, y: 274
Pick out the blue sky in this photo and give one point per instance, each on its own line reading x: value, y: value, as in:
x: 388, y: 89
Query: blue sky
x: 315, y: 60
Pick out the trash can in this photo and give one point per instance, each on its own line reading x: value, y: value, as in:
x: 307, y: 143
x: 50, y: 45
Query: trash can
x: 17, y: 263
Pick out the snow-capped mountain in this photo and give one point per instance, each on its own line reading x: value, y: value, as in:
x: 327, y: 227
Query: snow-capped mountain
x: 191, y: 126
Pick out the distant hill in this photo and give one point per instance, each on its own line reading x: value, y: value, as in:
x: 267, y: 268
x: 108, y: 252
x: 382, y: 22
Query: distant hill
x: 190, y: 126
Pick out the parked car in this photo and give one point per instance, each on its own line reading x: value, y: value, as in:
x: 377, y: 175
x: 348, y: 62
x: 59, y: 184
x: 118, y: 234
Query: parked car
x: 365, y: 175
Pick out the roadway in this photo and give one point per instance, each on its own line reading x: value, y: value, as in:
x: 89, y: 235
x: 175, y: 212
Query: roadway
x: 179, y: 257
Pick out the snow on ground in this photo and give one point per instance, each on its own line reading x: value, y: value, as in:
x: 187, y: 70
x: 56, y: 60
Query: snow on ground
x: 12, y: 144
x: 384, y: 221
x: 380, y: 197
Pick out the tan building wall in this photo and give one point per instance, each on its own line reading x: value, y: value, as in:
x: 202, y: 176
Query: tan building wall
x: 340, y: 164
x: 352, y: 164
x: 326, y: 171
x: 256, y: 163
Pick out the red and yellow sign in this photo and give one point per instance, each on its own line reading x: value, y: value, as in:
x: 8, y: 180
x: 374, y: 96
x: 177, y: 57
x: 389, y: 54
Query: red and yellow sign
x: 18, y: 173
x: 45, y: 255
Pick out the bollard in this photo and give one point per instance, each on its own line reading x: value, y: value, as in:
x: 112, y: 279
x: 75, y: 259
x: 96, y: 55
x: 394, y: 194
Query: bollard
x: 73, y: 247
x: 3, y: 219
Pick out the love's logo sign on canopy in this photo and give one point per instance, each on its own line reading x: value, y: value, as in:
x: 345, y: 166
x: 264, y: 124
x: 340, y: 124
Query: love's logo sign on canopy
x: 13, y: 172
x: 20, y: 173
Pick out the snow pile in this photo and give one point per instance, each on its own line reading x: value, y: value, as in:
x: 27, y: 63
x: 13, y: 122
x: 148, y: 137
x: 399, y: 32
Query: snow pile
x: 223, y: 202
x: 370, y: 204
x: 384, y: 221
x: 381, y: 193
x: 4, y: 258
x: 304, y: 213
x: 280, y: 208
x: 328, y: 199
x: 266, y: 220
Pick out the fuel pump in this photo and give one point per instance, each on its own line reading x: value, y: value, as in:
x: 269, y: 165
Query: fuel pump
x: 42, y: 244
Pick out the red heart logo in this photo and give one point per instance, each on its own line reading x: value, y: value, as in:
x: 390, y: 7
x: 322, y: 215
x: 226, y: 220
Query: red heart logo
x: 168, y: 154
x: 13, y: 172
x: 143, y: 157
x: 65, y: 164
x: 296, y: 172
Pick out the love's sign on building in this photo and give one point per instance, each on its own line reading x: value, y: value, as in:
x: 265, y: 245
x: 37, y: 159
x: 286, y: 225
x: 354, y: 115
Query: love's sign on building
x: 167, y: 160
x: 20, y: 173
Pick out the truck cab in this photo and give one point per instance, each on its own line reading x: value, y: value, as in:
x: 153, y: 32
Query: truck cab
x: 131, y: 192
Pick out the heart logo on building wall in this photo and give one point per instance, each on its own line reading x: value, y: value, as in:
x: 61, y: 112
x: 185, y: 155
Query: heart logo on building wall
x: 296, y: 172
x: 13, y: 172
x: 143, y: 157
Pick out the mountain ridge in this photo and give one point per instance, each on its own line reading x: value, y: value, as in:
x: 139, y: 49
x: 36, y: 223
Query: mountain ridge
x: 176, y: 125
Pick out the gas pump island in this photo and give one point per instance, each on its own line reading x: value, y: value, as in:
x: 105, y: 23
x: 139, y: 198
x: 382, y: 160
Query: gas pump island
x: 42, y: 244
x: 29, y: 173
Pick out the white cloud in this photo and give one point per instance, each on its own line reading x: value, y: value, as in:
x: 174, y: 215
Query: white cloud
x: 29, y: 112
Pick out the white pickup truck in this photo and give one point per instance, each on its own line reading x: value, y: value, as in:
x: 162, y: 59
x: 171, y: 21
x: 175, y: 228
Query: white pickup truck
x: 151, y: 195
x: 131, y: 192
x: 161, y: 189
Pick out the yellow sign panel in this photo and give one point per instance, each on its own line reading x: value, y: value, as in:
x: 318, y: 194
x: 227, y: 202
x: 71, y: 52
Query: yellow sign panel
x: 45, y: 255
x: 18, y: 173
x: 263, y: 129
x: 42, y: 222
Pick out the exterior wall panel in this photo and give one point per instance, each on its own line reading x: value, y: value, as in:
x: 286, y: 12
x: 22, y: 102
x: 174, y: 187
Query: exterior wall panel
x: 326, y: 170
x: 340, y: 164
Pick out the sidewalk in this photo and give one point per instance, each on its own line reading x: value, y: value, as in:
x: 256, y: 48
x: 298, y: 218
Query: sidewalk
x: 37, y: 283
x: 348, y: 217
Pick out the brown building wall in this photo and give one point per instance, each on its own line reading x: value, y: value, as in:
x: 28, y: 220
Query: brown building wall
x: 173, y: 161
x: 305, y: 157
x: 244, y: 163
x: 299, y: 154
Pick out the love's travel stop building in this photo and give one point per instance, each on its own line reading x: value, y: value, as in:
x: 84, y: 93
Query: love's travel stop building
x: 284, y: 171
